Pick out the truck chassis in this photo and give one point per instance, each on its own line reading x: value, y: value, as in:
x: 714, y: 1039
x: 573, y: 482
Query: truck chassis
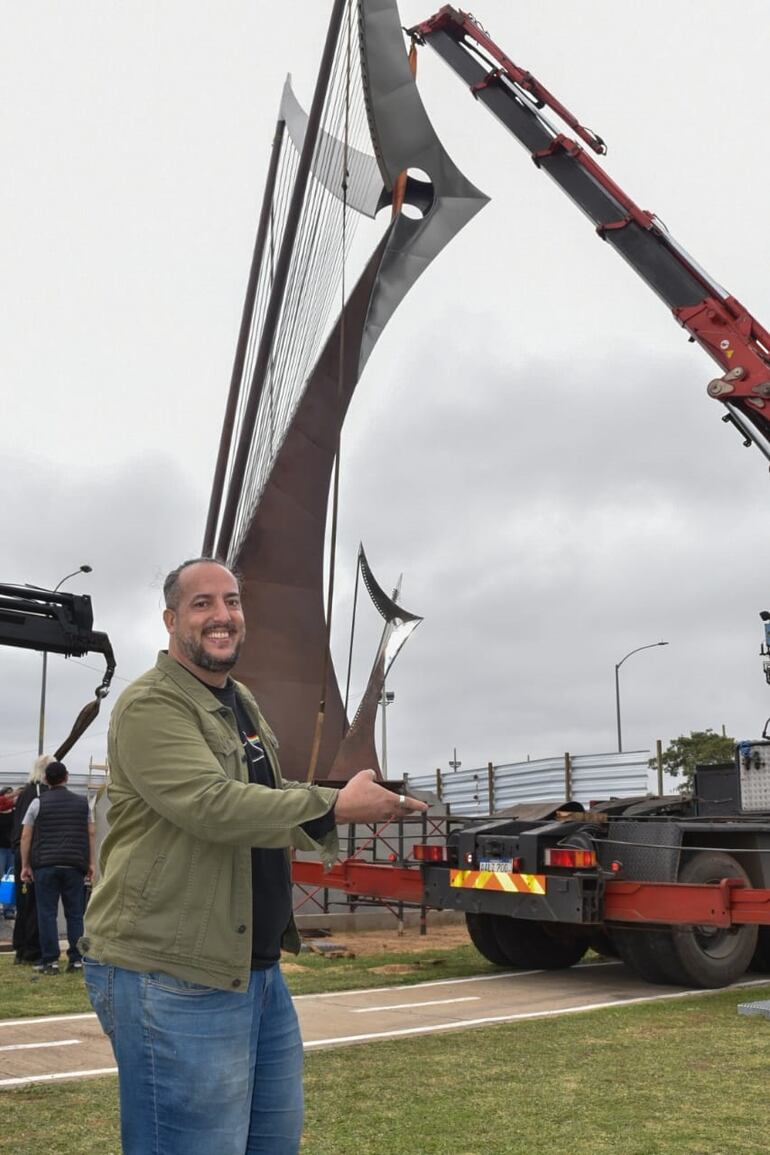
x: 677, y: 887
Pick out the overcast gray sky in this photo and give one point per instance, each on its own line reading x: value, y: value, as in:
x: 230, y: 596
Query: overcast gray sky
x: 532, y: 444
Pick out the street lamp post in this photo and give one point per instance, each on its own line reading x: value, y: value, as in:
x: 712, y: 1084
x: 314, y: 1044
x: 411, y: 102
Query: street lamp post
x: 41, y: 725
x: 387, y: 698
x: 651, y: 646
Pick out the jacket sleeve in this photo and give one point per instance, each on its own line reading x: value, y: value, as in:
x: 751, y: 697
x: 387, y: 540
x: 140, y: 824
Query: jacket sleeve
x: 158, y: 744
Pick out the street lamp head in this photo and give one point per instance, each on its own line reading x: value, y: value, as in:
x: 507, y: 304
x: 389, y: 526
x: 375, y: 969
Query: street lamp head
x: 88, y: 569
x: 638, y: 650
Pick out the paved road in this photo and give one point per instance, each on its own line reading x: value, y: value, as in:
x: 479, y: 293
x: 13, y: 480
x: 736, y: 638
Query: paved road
x: 73, y: 1046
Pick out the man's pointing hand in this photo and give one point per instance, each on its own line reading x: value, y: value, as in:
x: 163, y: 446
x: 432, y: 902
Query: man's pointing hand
x: 362, y: 799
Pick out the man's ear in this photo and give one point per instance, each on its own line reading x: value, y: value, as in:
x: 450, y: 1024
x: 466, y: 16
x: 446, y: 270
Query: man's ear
x: 169, y: 619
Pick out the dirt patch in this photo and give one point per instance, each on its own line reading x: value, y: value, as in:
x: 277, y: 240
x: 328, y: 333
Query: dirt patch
x: 394, y: 969
x: 368, y: 942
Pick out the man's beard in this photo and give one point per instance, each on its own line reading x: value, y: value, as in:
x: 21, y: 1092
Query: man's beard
x: 200, y: 657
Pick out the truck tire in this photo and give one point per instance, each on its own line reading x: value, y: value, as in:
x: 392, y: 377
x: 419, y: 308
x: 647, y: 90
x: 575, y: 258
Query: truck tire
x: 482, y: 934
x: 539, y: 945
x: 761, y: 960
x: 687, y: 956
x: 713, y: 956
x: 649, y: 951
x: 602, y: 943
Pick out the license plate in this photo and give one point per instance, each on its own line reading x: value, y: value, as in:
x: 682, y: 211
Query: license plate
x: 499, y: 865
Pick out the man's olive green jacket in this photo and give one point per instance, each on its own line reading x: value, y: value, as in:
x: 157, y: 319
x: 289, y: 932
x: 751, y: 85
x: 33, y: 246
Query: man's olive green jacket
x: 174, y: 893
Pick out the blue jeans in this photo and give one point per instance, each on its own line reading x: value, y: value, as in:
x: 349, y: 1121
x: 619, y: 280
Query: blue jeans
x: 51, y: 884
x: 202, y: 1071
x: 6, y: 864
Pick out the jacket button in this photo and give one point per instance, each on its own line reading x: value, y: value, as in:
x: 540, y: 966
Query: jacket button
x: 236, y: 982
x: 242, y: 928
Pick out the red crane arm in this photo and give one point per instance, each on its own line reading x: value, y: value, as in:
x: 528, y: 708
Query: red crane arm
x: 713, y: 318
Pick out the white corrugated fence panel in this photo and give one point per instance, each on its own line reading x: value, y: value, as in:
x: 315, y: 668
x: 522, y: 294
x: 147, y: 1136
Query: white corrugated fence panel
x: 80, y: 781
x: 593, y: 777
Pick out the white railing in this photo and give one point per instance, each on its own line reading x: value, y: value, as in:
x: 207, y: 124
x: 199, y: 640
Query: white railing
x: 581, y: 777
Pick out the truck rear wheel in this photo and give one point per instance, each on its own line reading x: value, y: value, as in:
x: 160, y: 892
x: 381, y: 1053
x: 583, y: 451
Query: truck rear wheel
x: 519, y: 942
x: 540, y: 945
x: 650, y: 952
x: 602, y: 943
x: 761, y: 960
x: 701, y: 956
x: 482, y: 933
x: 714, y: 956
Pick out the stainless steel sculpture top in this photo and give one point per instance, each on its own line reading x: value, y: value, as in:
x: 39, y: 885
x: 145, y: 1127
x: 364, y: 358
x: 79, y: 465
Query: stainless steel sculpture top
x: 358, y: 747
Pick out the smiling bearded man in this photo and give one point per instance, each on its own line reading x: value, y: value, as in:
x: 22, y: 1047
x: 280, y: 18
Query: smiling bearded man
x: 185, y: 927
x: 206, y: 628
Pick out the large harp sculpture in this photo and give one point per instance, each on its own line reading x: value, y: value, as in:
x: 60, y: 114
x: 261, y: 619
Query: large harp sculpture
x: 296, y: 367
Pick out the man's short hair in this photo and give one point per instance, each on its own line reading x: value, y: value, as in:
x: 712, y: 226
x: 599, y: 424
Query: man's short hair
x: 55, y: 773
x: 171, y: 590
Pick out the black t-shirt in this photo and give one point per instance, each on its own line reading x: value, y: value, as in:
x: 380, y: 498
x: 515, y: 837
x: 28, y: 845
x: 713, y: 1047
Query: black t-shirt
x: 271, y: 900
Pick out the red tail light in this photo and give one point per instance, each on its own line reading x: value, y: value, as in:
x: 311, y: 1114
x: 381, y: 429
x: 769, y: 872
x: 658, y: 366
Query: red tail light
x: 567, y: 856
x: 424, y: 852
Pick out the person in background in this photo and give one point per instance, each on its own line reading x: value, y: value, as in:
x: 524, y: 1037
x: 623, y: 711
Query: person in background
x: 7, y: 804
x: 26, y: 936
x: 57, y: 854
x: 8, y: 798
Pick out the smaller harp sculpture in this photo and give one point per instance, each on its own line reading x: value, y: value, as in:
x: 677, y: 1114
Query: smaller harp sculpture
x: 357, y: 750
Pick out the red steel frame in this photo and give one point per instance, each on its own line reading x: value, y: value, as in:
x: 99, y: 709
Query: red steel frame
x: 354, y: 876
x: 726, y: 904
x: 359, y: 876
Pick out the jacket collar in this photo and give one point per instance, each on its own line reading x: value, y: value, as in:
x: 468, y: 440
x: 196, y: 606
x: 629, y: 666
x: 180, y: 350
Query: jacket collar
x: 187, y: 682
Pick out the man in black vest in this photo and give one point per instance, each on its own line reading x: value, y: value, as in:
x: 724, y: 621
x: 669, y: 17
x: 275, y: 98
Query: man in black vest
x: 57, y: 853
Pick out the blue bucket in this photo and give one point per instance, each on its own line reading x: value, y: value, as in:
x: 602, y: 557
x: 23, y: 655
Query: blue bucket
x: 7, y: 890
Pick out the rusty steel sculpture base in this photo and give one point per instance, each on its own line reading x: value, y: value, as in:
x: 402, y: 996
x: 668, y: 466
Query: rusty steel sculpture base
x: 282, y: 562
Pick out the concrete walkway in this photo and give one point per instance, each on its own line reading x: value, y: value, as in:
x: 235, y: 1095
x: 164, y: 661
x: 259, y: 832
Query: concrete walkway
x: 73, y: 1046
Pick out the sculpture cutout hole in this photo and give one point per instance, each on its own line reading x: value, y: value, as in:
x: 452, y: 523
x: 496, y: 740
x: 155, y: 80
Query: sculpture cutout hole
x: 419, y: 195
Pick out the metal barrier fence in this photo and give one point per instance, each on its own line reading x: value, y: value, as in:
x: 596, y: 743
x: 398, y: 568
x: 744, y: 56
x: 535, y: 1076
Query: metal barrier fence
x: 390, y: 843
x: 85, y: 782
x: 581, y: 777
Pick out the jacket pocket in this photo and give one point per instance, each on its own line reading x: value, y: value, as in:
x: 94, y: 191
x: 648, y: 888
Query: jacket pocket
x: 197, y: 900
x: 219, y: 736
x: 139, y: 893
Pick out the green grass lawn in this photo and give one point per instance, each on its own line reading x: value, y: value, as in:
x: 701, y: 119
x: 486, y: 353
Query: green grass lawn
x: 320, y: 974
x: 683, y: 1077
x: 27, y: 993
